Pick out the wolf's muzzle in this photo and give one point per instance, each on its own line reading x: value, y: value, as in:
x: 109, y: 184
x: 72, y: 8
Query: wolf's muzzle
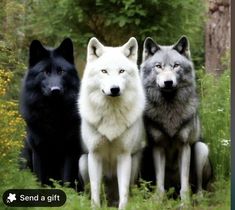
x: 168, y: 84
x: 55, y: 90
x: 115, y: 91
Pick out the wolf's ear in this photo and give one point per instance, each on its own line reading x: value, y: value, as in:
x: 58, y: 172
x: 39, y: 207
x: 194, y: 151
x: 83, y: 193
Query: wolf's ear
x: 182, y: 46
x: 130, y: 49
x: 150, y: 48
x: 36, y: 52
x: 66, y: 50
x: 94, y: 49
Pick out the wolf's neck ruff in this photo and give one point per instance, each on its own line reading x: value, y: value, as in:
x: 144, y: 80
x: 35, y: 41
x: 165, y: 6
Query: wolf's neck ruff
x: 169, y: 114
x: 118, y: 113
x: 168, y: 96
x: 111, y: 71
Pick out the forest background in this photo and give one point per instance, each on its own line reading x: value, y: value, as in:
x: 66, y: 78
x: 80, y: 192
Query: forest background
x: 113, y: 22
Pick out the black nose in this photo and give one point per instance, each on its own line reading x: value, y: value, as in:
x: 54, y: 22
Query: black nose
x: 168, y: 84
x: 115, y: 91
x: 55, y: 90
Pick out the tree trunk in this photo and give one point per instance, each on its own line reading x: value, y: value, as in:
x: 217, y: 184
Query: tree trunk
x: 218, y: 36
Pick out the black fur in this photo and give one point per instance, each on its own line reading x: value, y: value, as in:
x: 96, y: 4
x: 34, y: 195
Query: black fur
x: 49, y: 108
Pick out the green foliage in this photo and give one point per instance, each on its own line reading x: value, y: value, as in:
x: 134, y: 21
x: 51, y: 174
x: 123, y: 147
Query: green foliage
x: 115, y: 21
x: 215, y: 118
x: 11, y: 41
x: 120, y: 17
x: 10, y: 62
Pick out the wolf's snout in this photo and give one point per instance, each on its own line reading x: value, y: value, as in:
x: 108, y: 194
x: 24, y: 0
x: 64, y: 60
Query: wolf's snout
x: 55, y: 90
x: 115, y: 91
x: 168, y: 84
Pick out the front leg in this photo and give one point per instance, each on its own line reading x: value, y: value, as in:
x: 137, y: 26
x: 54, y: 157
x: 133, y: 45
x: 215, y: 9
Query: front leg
x: 159, y: 165
x: 95, y: 175
x: 67, y: 171
x: 201, y: 153
x: 123, y: 175
x: 38, y: 167
x: 83, y: 168
x: 135, y: 166
x: 184, y: 166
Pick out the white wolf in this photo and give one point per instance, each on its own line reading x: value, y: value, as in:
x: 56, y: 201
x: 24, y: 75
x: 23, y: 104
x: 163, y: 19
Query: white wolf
x: 111, y: 105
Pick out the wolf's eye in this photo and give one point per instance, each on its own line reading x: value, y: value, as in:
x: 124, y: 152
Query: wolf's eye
x: 176, y: 65
x: 60, y: 71
x: 158, y: 66
x: 104, y: 71
x: 121, y: 71
x: 47, y: 72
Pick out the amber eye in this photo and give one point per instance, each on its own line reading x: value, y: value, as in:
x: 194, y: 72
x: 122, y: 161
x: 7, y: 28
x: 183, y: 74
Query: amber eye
x: 104, y: 71
x: 176, y: 65
x: 121, y: 71
x: 158, y: 66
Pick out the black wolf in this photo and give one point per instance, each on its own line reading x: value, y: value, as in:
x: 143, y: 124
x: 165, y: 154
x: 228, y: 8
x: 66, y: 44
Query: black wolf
x: 49, y: 108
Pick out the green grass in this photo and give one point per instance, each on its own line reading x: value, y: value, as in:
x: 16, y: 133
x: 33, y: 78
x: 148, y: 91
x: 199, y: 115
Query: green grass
x: 215, y: 117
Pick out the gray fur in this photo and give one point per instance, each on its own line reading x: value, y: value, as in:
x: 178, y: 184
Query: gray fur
x: 171, y: 114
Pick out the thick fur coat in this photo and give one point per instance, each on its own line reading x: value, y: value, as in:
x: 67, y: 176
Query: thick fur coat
x: 49, y: 108
x: 171, y: 119
x: 111, y: 105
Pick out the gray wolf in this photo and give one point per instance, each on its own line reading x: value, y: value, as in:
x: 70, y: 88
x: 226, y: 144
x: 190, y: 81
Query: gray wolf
x: 171, y: 120
x: 49, y: 108
x: 111, y: 105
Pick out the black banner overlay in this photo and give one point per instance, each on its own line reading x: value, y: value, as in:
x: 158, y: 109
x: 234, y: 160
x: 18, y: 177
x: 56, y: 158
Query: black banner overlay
x: 34, y: 198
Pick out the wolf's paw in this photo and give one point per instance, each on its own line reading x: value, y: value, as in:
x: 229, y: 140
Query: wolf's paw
x: 185, y: 195
x: 184, y: 206
x: 200, y: 194
x: 197, y: 198
x: 122, y: 206
x: 160, y: 194
x: 185, y: 199
x: 95, y: 205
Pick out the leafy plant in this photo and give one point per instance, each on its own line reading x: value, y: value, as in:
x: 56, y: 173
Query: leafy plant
x: 215, y: 119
